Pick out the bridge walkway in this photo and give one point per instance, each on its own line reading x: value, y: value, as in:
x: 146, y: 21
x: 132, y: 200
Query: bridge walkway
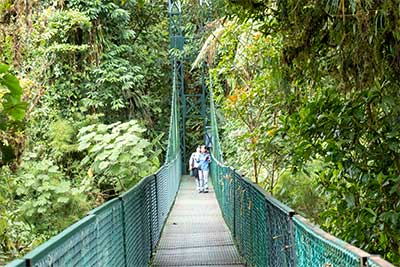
x: 195, y: 233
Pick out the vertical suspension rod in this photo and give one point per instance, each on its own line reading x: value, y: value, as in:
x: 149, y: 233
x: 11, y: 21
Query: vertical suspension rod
x: 177, y: 70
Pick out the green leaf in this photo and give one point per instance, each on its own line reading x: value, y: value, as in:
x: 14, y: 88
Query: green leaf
x: 20, y: 191
x: 103, y: 155
x: 141, y: 3
x: 42, y: 210
x: 371, y: 211
x: 103, y: 165
x: 63, y: 187
x: 83, y: 146
x: 115, y: 169
x: 3, y: 225
x: 350, y: 199
x: 15, y: 109
x: 4, y: 68
x: 114, y: 156
x: 63, y: 199
x: 125, y: 157
x: 13, y: 85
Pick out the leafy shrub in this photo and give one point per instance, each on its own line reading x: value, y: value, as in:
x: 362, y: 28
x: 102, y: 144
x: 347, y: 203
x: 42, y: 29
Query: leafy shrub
x: 11, y: 107
x: 62, y: 135
x: 12, y: 112
x: 32, y: 201
x: 44, y: 194
x: 117, y: 154
x: 301, y: 191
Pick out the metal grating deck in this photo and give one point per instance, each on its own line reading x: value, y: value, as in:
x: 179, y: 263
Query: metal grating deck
x: 195, y: 233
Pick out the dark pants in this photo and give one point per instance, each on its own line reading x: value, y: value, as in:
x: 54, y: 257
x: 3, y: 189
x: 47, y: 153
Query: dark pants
x: 195, y: 173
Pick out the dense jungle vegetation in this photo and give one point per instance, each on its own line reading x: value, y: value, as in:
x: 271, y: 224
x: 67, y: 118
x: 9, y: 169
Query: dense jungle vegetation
x: 308, y: 97
x: 312, y: 90
x: 88, y: 116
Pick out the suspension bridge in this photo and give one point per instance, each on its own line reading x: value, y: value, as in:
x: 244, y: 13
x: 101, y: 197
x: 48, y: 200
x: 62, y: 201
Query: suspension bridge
x: 163, y: 221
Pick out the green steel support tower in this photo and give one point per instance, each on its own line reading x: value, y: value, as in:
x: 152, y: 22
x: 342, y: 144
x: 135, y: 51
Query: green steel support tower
x: 206, y: 7
x: 176, y: 46
x: 192, y: 99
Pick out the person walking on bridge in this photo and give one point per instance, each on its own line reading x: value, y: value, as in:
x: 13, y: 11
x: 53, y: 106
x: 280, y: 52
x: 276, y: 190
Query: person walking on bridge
x: 204, y: 166
x: 194, y: 166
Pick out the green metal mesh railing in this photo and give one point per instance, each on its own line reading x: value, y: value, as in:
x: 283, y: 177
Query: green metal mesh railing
x: 268, y: 233
x: 76, y: 246
x: 313, y: 246
x: 109, y: 232
x: 125, y: 230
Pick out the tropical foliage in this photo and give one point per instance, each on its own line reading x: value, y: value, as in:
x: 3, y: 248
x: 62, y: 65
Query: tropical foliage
x: 69, y: 70
x: 321, y: 102
x: 117, y: 154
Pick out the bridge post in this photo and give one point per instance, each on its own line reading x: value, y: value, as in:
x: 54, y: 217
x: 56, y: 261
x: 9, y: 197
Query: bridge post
x: 157, y: 210
x: 234, y: 203
x: 123, y: 228
x: 292, y: 246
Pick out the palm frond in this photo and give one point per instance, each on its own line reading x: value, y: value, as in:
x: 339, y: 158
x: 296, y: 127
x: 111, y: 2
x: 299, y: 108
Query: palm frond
x: 209, y: 48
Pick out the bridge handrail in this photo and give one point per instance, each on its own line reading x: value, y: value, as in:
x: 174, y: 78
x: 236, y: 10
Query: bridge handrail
x: 122, y: 232
x: 279, y: 204
x: 269, y: 233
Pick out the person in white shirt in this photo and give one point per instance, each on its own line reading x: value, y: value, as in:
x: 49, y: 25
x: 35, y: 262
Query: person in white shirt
x: 194, y: 166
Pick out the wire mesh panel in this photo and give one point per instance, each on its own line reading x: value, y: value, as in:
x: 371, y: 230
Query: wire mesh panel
x: 260, y: 234
x: 279, y: 227
x: 314, y: 247
x: 227, y: 194
x: 223, y: 179
x: 243, y: 218
x: 123, y: 231
x: 152, y: 209
x: 75, y: 246
x: 147, y: 216
x: 174, y: 176
x: 162, y: 201
x: 216, y: 180
x: 110, y: 234
x: 136, y: 240
x: 372, y: 263
x: 168, y: 178
x: 261, y: 226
